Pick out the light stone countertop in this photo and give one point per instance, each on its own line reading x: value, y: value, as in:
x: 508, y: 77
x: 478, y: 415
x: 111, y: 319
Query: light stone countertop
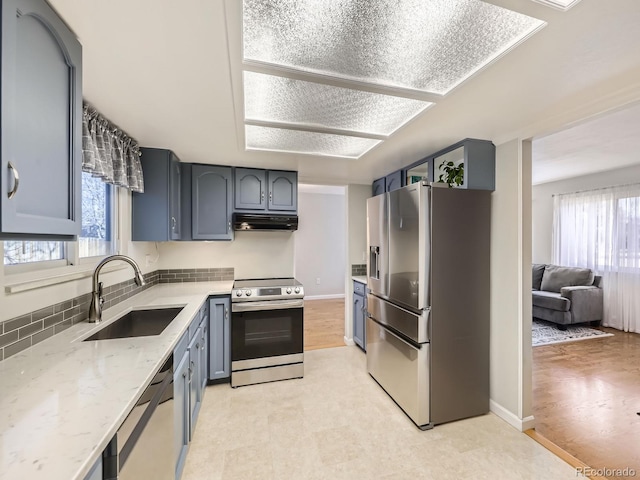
x: 62, y: 400
x: 360, y: 279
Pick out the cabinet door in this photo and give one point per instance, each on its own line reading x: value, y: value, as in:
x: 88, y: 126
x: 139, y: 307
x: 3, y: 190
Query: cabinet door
x: 379, y: 186
x: 195, y: 393
x: 219, y: 338
x: 41, y: 102
x: 174, y: 197
x: 283, y: 191
x: 211, y: 203
x: 394, y: 181
x: 152, y: 212
x: 204, y: 354
x: 251, y: 189
x: 358, y: 320
x: 181, y: 411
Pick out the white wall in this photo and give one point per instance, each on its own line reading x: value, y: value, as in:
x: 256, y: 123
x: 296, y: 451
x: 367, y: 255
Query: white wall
x: 543, y: 203
x: 251, y: 254
x: 356, y: 221
x: 15, y: 304
x: 510, y: 389
x: 320, y: 245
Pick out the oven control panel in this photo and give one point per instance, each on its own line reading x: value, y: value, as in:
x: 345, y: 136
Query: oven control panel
x: 270, y: 293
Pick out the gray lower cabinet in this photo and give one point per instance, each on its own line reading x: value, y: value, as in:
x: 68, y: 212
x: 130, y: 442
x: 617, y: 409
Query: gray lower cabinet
x: 155, y: 214
x: 359, y: 315
x: 195, y: 386
x: 261, y: 191
x: 189, y: 381
x: 181, y: 409
x: 204, y: 353
x: 219, y: 338
x: 41, y: 138
x: 211, y: 202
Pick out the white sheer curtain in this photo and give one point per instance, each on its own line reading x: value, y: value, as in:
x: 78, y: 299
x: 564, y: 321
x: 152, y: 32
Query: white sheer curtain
x: 600, y: 229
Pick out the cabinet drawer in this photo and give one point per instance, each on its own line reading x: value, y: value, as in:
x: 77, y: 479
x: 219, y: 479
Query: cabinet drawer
x: 358, y: 288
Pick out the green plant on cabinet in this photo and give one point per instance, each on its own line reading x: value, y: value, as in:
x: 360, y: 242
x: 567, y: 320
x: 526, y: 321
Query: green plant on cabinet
x: 452, y: 174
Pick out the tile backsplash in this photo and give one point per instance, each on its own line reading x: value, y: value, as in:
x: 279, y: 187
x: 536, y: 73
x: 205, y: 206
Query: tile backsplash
x: 22, y: 332
x: 359, y: 269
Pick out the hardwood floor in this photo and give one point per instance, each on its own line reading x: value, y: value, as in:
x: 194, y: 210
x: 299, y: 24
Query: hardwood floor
x: 586, y: 396
x: 323, y: 323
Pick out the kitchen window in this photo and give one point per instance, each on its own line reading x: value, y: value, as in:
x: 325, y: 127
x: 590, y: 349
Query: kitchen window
x: 96, y: 239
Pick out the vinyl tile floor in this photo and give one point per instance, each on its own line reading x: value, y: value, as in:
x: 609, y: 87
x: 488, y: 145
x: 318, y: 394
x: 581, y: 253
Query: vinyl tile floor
x: 337, y: 423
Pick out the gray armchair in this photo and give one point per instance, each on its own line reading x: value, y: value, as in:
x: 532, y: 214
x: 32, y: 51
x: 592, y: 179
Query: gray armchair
x: 566, y: 295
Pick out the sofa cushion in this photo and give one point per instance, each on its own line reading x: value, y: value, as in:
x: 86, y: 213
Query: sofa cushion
x: 550, y: 300
x: 537, y: 270
x: 555, y: 277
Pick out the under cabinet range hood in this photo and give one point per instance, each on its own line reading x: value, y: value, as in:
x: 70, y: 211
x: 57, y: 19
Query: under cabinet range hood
x: 247, y: 221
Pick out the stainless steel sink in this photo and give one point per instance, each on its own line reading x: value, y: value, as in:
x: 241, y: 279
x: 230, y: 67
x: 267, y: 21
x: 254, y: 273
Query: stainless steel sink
x: 138, y: 323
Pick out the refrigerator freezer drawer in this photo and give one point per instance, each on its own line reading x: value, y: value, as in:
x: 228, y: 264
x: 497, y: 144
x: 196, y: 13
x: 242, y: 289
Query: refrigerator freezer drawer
x: 415, y: 327
x: 402, y: 370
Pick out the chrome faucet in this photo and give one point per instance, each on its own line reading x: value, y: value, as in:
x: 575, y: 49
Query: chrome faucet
x: 95, y: 309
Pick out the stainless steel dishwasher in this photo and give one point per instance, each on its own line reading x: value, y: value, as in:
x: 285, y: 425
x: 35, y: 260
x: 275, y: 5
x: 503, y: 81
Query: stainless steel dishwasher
x: 144, y: 442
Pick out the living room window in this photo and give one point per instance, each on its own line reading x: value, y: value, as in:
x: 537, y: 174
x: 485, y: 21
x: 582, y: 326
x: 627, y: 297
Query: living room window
x: 600, y: 230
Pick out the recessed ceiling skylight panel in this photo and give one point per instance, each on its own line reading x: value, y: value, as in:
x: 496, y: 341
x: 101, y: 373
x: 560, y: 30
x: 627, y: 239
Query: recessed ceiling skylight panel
x: 270, y: 98
x: 425, y: 45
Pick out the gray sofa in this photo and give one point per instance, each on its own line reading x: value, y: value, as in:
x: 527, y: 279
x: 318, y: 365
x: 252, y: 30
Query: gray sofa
x: 566, y: 295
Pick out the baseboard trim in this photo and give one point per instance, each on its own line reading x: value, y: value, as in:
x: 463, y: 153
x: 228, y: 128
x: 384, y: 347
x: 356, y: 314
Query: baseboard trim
x: 323, y: 297
x: 512, y: 419
x: 348, y: 341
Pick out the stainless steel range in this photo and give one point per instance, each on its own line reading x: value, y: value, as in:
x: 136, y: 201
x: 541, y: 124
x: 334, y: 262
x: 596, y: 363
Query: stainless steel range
x: 267, y: 329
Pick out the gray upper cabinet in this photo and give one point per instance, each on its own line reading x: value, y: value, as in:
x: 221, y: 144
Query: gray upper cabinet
x: 283, y: 191
x: 393, y: 181
x: 379, y: 186
x: 251, y: 189
x: 41, y: 143
x: 155, y: 214
x: 211, y: 202
x: 260, y: 191
x: 478, y: 158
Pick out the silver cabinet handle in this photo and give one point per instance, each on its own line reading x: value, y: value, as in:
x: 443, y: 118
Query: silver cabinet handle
x: 226, y: 313
x: 261, y: 196
x: 229, y: 226
x: 184, y: 375
x: 270, y: 196
x: 16, y: 180
x: 173, y: 223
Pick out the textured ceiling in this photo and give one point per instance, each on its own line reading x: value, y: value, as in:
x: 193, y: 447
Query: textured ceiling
x: 604, y: 143
x: 170, y: 74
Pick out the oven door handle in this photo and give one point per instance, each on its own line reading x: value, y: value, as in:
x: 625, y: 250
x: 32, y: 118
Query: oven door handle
x: 266, y: 305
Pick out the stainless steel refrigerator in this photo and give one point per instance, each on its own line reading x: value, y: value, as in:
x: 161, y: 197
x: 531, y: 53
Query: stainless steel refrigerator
x: 428, y: 300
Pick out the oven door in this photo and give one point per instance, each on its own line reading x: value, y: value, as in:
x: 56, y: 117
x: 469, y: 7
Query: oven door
x: 265, y: 329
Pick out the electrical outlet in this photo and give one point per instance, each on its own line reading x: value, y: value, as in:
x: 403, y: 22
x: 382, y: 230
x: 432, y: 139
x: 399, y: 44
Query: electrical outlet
x: 317, y: 280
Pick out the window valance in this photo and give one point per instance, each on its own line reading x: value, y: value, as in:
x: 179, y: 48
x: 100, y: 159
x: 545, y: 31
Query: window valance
x: 109, y: 153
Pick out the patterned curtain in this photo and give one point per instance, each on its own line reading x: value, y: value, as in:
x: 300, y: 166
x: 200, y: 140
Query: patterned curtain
x: 109, y: 153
